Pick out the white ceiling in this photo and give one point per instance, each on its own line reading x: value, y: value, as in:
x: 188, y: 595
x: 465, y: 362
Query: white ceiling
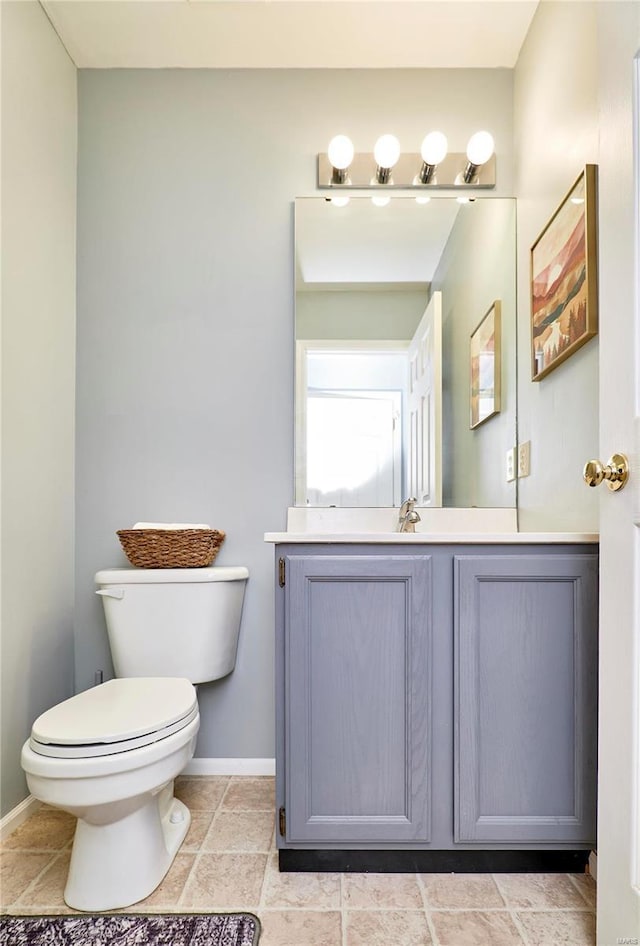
x: 292, y: 33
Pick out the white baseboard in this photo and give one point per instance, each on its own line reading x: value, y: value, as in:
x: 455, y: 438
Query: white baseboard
x: 14, y: 818
x: 231, y: 767
x: 593, y: 865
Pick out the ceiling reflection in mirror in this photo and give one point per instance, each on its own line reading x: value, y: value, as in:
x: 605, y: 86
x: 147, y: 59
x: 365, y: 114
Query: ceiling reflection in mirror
x: 387, y: 299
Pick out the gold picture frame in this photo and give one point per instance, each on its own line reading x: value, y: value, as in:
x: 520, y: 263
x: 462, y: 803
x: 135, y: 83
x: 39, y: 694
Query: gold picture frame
x: 485, y: 367
x: 564, y: 278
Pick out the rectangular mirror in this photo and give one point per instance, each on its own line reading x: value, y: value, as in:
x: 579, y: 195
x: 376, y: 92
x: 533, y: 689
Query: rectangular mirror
x: 387, y: 301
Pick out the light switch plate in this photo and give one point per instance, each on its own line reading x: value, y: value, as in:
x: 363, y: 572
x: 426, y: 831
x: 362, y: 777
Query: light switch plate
x: 524, y: 458
x: 511, y: 465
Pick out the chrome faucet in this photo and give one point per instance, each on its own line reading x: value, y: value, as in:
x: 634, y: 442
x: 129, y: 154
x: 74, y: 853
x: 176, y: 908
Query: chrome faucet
x: 407, y: 516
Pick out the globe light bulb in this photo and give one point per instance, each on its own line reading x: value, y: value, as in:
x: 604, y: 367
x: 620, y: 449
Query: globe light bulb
x: 340, y: 152
x: 341, y: 201
x: 422, y: 200
x: 434, y: 148
x: 480, y: 148
x: 387, y: 151
x: 380, y: 201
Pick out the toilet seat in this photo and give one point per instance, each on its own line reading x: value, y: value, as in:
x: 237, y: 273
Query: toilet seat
x: 115, y: 717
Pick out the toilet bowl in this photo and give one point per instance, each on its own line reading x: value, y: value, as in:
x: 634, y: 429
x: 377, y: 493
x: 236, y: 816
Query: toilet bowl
x: 109, y: 756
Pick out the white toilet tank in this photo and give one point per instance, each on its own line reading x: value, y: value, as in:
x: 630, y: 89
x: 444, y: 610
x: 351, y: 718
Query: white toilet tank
x: 173, y: 622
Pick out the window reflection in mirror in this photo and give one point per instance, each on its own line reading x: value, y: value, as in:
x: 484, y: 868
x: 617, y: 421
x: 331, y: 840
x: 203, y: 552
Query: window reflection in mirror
x: 387, y: 299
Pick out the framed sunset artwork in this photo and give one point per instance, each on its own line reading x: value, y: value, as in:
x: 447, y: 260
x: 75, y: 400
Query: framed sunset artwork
x: 564, y: 279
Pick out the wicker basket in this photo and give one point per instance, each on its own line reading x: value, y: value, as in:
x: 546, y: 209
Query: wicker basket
x: 171, y: 548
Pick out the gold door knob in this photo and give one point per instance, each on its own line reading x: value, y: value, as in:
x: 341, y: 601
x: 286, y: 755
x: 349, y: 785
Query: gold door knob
x: 615, y: 473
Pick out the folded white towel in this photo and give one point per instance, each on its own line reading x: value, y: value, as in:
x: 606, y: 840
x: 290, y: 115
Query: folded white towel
x: 170, y: 525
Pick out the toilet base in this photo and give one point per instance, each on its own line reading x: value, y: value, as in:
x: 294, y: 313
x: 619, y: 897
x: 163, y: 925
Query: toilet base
x: 116, y: 864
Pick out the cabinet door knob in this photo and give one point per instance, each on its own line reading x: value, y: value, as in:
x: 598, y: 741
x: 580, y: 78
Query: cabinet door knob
x: 615, y: 473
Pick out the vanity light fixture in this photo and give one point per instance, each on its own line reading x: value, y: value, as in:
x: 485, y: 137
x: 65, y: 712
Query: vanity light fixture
x: 386, y: 154
x: 480, y: 148
x: 435, y: 167
x: 433, y: 152
x: 340, y: 153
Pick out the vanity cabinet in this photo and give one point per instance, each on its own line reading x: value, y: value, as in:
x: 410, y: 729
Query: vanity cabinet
x: 358, y: 697
x: 436, y: 697
x: 525, y: 661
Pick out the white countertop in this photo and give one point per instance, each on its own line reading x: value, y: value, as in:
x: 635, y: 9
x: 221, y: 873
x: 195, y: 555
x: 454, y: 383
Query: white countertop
x: 434, y: 538
x: 442, y: 526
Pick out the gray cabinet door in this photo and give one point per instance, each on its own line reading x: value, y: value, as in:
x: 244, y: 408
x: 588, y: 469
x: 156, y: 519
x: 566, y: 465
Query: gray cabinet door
x: 358, y: 698
x: 525, y: 698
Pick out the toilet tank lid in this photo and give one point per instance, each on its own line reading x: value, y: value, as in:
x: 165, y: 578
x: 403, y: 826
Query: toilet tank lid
x: 117, y: 710
x: 142, y: 576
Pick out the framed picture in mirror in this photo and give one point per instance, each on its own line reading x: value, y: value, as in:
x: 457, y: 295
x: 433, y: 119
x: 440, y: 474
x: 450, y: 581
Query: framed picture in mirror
x: 485, y: 367
x: 564, y: 289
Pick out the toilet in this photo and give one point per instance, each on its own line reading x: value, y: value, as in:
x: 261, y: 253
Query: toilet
x: 110, y: 754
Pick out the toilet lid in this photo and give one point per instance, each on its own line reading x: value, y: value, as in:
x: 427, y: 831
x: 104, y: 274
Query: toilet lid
x: 121, y: 714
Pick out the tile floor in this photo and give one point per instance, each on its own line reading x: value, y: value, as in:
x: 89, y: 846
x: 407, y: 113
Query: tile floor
x: 228, y: 863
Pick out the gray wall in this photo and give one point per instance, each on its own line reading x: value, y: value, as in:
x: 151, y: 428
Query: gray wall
x: 477, y: 268
x: 39, y: 124
x: 185, y: 314
x: 556, y: 128
x: 360, y: 314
